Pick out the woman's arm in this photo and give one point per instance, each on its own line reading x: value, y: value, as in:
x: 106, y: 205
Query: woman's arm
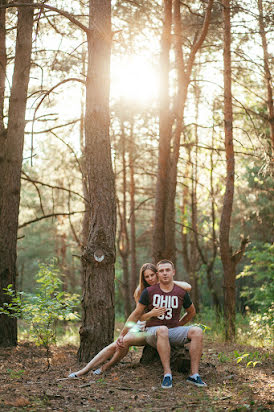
x: 153, y: 313
x: 184, y: 285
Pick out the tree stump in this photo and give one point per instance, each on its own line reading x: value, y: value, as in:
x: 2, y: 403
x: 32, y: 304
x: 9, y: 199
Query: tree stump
x: 179, y: 357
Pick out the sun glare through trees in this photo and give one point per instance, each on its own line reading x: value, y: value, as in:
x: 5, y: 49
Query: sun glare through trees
x: 131, y: 132
x: 134, y: 79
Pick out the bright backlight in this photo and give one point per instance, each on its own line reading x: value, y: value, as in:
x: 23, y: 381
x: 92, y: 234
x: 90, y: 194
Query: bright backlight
x: 133, y: 78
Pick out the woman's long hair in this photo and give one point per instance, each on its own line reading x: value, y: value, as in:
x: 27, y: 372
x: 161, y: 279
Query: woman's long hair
x: 142, y: 282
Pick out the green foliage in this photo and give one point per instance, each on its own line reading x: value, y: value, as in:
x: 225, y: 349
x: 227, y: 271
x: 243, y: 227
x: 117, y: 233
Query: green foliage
x: 256, y: 328
x: 252, y: 328
x: 15, y: 374
x: 43, y: 309
x: 252, y: 359
x: 248, y: 359
x: 223, y: 357
x: 261, y: 291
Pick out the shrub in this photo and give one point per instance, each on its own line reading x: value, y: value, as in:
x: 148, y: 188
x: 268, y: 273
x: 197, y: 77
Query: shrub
x: 43, y: 308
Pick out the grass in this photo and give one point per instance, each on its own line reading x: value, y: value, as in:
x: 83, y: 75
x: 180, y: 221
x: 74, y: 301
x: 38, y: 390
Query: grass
x: 66, y: 333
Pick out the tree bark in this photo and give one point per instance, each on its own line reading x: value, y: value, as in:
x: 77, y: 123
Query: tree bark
x: 3, y: 64
x: 99, y: 256
x: 225, y: 249
x: 229, y: 260
x: 169, y: 146
x: 209, y: 261
x: 179, y: 357
x: 11, y: 165
x: 133, y: 260
x: 267, y: 73
x: 123, y: 240
x: 165, y: 131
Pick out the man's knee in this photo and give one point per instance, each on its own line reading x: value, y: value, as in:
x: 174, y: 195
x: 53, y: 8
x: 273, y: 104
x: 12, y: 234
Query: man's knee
x: 162, y: 332
x: 195, y: 333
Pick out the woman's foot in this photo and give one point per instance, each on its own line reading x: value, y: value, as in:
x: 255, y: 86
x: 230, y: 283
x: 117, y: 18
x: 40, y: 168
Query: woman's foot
x: 73, y: 375
x: 97, y: 371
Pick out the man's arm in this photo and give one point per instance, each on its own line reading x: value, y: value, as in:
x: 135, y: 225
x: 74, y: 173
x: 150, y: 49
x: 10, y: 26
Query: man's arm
x: 190, y: 313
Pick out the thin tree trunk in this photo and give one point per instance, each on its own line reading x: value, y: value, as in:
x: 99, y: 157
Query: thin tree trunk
x: 185, y: 221
x: 229, y: 260
x: 99, y: 256
x: 133, y: 260
x: 11, y: 165
x: 210, y: 264
x: 267, y: 74
x: 226, y: 253
x: 123, y: 240
x: 85, y: 223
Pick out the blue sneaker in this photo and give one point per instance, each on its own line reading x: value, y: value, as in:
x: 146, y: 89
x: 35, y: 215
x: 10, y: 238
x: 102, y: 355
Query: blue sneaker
x: 167, y: 382
x: 196, y: 381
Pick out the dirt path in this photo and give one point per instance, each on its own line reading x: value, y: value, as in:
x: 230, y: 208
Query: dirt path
x: 27, y: 386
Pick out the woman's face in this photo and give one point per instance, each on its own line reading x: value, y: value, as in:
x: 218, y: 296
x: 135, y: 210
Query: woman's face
x: 150, y: 277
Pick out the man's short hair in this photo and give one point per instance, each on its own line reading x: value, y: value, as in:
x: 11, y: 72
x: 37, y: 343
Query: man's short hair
x: 164, y: 261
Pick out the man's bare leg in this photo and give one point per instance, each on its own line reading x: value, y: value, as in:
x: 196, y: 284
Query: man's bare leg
x: 196, y: 348
x: 163, y: 348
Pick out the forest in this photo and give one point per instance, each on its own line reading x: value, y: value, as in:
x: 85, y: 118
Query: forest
x: 130, y: 132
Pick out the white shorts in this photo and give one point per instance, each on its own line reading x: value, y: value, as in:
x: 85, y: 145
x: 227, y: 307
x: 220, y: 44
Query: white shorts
x: 177, y: 336
x: 138, y: 327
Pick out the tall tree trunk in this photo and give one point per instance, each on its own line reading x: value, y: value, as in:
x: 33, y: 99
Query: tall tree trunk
x: 225, y: 249
x: 123, y: 240
x: 86, y: 217
x: 189, y: 247
x: 267, y: 73
x: 169, y: 148
x: 209, y: 261
x: 11, y: 165
x: 165, y: 131
x: 3, y: 64
x: 99, y: 256
x: 229, y: 260
x: 133, y: 260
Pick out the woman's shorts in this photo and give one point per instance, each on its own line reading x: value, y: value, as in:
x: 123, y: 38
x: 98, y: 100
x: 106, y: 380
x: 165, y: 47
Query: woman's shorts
x: 138, y: 327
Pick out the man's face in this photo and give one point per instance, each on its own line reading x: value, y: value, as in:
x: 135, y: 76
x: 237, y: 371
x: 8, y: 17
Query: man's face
x: 165, y: 273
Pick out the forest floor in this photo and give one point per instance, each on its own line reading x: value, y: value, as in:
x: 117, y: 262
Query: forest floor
x: 27, y: 385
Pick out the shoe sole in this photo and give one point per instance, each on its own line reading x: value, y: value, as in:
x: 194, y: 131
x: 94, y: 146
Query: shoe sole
x: 166, y: 387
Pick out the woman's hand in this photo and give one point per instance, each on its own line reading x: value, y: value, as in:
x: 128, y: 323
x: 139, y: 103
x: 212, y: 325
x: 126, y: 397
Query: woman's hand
x: 155, y: 312
x: 120, y: 342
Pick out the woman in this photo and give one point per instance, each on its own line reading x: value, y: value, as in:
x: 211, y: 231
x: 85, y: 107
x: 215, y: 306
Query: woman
x: 135, y: 336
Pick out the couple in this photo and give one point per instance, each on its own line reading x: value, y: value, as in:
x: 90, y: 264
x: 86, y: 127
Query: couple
x: 162, y: 302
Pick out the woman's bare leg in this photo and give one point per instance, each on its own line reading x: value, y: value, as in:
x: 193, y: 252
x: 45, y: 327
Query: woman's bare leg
x: 100, y: 358
x: 129, y: 340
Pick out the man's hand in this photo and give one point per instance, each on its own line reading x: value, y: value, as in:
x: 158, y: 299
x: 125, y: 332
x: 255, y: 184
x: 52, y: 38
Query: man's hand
x: 190, y: 313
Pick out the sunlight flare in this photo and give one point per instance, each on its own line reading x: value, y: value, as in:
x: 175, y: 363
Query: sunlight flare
x: 134, y: 78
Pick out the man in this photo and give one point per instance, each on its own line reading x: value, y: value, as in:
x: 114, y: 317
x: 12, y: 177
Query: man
x: 169, y: 328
